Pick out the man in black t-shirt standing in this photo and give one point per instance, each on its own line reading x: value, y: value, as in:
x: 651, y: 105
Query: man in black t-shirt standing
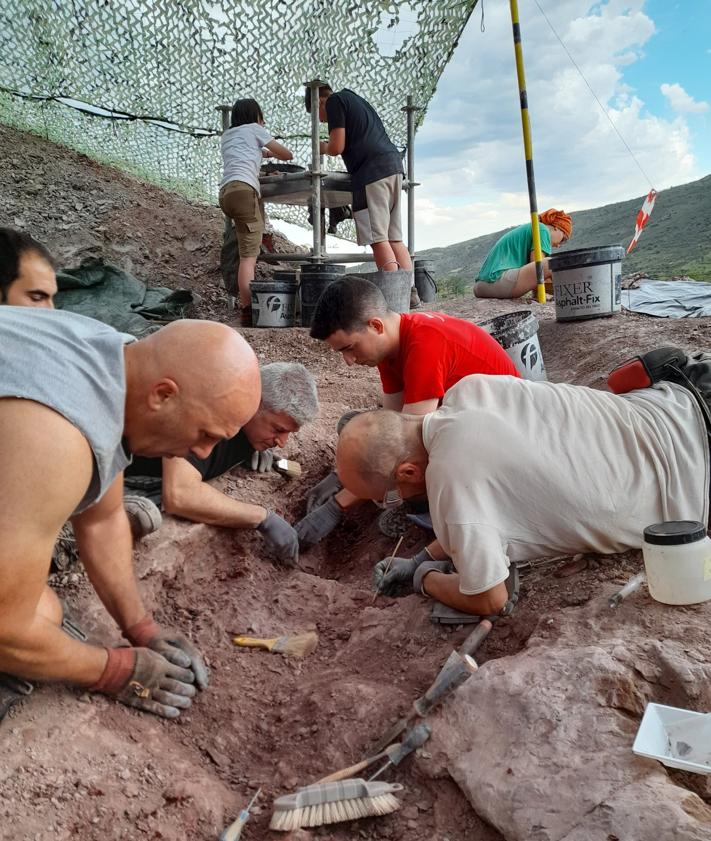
x: 374, y: 163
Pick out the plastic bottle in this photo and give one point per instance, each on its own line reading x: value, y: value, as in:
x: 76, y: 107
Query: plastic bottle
x: 677, y: 558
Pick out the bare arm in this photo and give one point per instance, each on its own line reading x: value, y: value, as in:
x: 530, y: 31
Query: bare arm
x: 105, y: 547
x: 336, y: 142
x: 46, y: 470
x: 436, y: 551
x: 279, y: 151
x: 186, y: 495
x: 445, y: 588
x: 421, y: 408
x: 393, y: 401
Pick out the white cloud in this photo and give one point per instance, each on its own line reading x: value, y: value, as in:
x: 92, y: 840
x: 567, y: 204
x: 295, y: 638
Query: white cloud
x: 469, y: 151
x: 680, y: 100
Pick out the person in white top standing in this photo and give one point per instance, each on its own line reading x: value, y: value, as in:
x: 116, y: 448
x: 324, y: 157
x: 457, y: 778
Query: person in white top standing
x: 244, y: 145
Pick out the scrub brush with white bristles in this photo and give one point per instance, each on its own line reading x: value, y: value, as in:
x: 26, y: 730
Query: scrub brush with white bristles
x: 322, y: 803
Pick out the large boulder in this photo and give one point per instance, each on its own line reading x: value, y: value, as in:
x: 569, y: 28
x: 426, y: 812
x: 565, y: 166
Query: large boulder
x: 541, y: 742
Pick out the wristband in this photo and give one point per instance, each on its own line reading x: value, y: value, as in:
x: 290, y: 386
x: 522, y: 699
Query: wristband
x: 120, y: 665
x: 142, y: 632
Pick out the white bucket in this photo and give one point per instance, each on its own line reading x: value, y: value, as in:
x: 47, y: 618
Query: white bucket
x: 517, y: 333
x: 587, y: 282
x: 273, y: 303
x: 677, y: 560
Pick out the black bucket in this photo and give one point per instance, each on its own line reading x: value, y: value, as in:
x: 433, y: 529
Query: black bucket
x: 424, y: 280
x: 286, y: 276
x: 323, y: 268
x: 314, y: 279
x: 587, y: 282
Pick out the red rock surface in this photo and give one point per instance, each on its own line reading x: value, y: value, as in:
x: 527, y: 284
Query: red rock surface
x: 82, y: 767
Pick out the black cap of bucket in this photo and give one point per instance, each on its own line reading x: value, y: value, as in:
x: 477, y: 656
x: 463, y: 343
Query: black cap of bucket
x: 675, y: 532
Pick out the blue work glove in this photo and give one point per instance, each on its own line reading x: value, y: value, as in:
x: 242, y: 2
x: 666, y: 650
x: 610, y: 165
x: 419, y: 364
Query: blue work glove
x: 281, y: 538
x: 326, y: 489
x: 262, y: 460
x: 319, y: 523
x: 397, y: 581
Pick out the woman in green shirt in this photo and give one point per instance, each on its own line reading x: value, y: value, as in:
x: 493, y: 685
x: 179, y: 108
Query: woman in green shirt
x: 509, y: 270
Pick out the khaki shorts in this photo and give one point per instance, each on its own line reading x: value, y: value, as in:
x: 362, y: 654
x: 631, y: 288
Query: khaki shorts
x: 501, y: 288
x: 241, y: 203
x: 376, y: 211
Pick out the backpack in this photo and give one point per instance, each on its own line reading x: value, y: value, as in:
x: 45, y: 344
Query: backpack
x: 667, y: 364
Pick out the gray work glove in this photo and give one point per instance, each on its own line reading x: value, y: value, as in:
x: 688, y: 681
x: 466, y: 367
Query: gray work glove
x: 262, y: 460
x: 398, y: 579
x: 141, y: 678
x: 427, y: 567
x: 318, y: 523
x: 281, y: 538
x: 326, y: 489
x: 174, y: 646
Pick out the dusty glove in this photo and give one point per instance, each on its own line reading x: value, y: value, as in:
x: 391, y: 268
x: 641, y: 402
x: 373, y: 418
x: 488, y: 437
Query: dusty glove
x: 398, y: 579
x: 319, y: 523
x: 262, y: 460
x: 281, y: 538
x: 424, y: 569
x: 141, y: 678
x: 174, y: 646
x: 326, y: 489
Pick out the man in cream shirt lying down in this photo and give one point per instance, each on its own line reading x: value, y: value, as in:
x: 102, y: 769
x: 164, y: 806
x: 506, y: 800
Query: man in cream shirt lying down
x: 515, y: 470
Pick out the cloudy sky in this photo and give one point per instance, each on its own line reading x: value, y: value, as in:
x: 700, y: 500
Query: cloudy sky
x: 648, y: 62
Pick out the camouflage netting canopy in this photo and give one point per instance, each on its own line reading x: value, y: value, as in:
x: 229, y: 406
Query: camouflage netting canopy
x: 135, y: 83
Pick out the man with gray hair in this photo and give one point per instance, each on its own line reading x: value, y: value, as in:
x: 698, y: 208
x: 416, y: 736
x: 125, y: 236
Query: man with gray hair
x: 289, y: 400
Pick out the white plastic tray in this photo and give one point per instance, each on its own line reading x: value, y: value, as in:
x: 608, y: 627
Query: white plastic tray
x: 676, y: 737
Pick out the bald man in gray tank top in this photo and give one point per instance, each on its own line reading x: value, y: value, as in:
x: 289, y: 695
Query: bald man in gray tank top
x: 75, y: 404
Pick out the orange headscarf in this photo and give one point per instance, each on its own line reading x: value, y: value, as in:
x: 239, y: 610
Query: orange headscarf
x: 557, y: 219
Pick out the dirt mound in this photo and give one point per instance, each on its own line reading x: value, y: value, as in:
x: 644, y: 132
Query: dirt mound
x: 81, y: 209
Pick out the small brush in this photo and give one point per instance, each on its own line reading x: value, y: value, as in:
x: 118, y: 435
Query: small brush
x: 387, y: 567
x: 633, y: 584
x: 324, y: 803
x: 234, y: 830
x: 293, y: 645
x: 292, y: 469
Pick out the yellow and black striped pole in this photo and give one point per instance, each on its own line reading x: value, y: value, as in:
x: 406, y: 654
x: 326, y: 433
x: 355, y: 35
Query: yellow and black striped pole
x: 528, y: 147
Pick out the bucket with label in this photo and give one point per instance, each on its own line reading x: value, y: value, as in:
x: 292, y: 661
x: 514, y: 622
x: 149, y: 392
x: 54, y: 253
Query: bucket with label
x: 273, y: 303
x: 587, y: 282
x: 314, y: 279
x: 517, y: 333
x: 677, y: 560
x: 395, y: 287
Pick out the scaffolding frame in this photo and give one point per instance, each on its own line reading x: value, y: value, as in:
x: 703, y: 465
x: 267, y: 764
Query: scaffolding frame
x: 318, y: 252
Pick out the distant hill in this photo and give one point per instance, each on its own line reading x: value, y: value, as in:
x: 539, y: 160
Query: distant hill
x: 676, y: 241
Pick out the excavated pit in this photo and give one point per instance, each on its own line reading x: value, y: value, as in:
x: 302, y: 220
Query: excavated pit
x: 77, y: 766
x: 92, y: 769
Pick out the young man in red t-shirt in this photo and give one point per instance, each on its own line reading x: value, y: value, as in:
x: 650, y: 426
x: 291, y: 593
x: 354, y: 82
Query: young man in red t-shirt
x: 419, y: 357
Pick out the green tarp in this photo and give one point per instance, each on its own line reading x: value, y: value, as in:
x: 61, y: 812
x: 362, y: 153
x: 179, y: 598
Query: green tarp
x: 109, y: 294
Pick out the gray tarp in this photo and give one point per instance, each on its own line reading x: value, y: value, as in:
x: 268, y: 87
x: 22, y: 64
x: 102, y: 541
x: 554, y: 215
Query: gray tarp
x: 109, y: 294
x: 669, y: 298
